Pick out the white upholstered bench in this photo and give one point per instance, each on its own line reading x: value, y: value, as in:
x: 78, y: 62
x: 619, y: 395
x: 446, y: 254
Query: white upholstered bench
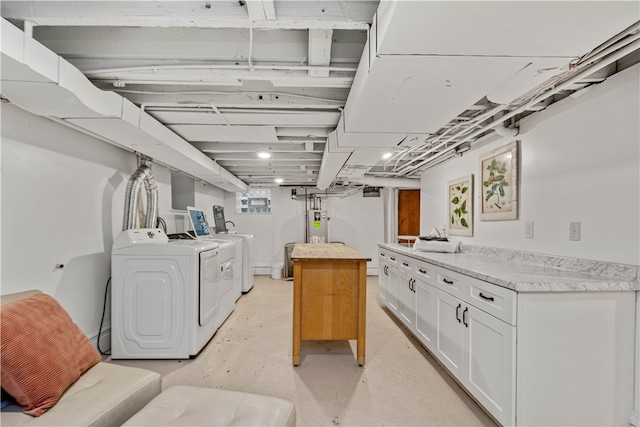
x: 196, y: 406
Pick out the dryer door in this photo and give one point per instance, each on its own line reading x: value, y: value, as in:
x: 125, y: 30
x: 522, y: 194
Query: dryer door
x: 209, y: 295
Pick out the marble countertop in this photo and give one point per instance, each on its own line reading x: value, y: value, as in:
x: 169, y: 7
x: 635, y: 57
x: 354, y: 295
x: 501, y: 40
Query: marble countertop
x: 524, y: 276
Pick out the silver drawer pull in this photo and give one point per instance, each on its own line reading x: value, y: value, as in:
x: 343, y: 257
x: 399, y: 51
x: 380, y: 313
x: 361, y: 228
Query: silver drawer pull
x: 486, y: 297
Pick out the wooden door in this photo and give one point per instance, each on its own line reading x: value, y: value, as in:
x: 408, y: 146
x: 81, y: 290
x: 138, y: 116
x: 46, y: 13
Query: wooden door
x: 408, y: 213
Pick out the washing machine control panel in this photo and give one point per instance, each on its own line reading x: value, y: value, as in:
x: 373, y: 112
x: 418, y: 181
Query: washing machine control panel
x: 138, y: 236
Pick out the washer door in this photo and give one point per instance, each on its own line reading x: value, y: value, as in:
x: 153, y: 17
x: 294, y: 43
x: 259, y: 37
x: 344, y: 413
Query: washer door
x: 209, y: 286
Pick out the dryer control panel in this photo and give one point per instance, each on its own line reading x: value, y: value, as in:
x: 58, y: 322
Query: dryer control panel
x: 137, y: 236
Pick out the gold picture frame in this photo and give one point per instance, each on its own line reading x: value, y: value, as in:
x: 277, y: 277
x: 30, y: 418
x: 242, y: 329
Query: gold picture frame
x: 460, y: 201
x: 499, y: 183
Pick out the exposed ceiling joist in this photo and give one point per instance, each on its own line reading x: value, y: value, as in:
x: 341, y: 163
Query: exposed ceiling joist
x: 318, y: 82
x: 235, y: 147
x: 353, y: 15
x: 261, y: 10
x: 276, y: 156
x: 320, y: 52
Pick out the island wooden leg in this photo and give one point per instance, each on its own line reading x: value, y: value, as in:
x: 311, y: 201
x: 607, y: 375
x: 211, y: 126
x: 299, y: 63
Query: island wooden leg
x: 362, y: 311
x: 297, y: 288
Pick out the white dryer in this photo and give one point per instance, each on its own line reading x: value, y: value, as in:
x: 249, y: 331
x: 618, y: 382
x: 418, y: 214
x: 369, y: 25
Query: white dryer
x: 228, y: 291
x: 165, y: 295
x: 238, y: 244
x: 248, y: 256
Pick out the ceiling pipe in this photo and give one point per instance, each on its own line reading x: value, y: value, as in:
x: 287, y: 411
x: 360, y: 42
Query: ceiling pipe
x: 92, y: 73
x: 468, y: 126
x: 616, y: 50
x: 506, y: 132
x: 578, y: 76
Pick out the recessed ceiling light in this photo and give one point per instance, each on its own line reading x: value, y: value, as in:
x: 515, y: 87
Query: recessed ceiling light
x: 279, y: 180
x: 264, y: 154
x: 386, y: 155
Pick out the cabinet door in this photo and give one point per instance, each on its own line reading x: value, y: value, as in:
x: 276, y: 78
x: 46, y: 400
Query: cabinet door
x: 425, y: 313
x: 449, y: 345
x: 392, y: 290
x: 407, y: 300
x: 383, y: 281
x: 490, y: 363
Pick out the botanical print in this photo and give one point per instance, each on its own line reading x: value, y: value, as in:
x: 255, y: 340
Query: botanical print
x: 461, y: 206
x: 499, y: 183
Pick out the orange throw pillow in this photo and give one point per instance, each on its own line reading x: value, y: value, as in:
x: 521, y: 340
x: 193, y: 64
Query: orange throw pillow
x: 42, y: 352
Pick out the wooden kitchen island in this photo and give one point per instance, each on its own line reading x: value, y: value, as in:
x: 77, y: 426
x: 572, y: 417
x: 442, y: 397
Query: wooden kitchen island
x: 329, y: 295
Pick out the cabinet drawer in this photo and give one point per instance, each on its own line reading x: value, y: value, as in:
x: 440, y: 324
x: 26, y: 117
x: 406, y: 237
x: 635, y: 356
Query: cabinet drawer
x: 424, y: 272
x: 493, y: 299
x: 405, y: 264
x: 449, y: 281
x: 388, y: 256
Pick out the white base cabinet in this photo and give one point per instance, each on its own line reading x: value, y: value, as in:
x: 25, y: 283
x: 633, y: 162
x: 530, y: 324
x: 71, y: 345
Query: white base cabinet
x: 529, y: 358
x: 388, y: 279
x: 406, y: 294
x: 489, y: 357
x: 383, y: 278
x: 425, y: 328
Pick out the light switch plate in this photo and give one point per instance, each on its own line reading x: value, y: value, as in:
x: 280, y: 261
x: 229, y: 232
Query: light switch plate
x: 528, y: 230
x: 574, y: 231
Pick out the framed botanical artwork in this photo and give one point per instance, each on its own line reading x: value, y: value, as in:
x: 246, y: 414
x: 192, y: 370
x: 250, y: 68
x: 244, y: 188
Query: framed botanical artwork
x: 461, y: 206
x: 499, y: 178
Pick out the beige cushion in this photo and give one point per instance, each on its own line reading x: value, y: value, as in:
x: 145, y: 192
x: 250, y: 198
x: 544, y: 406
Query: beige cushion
x: 105, y: 395
x: 196, y: 406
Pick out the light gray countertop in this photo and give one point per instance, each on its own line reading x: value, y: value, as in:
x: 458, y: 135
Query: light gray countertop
x: 502, y: 268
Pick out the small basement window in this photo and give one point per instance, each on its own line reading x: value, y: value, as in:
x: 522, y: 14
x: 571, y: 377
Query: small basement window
x: 254, y: 201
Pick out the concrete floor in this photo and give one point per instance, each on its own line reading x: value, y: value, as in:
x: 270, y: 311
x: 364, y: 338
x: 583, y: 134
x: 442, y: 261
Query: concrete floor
x: 401, y: 384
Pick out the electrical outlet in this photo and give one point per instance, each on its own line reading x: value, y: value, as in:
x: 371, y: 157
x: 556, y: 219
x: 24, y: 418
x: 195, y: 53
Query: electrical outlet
x: 528, y: 230
x: 574, y: 231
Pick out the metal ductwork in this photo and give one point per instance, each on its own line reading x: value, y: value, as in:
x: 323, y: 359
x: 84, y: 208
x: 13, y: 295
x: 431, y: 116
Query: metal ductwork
x: 375, y: 181
x: 143, y: 173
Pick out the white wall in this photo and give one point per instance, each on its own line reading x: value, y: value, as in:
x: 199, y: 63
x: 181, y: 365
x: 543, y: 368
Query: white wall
x: 354, y: 220
x: 580, y: 162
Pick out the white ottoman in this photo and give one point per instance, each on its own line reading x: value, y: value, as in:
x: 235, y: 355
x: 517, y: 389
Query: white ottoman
x: 197, y: 406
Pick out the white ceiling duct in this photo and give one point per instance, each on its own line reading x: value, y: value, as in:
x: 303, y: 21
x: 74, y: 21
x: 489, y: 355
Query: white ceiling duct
x: 332, y: 162
x: 43, y: 83
x: 375, y: 181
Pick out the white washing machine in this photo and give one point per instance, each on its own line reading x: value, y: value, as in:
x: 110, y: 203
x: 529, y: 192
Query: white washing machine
x: 165, y: 295
x: 248, y: 256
